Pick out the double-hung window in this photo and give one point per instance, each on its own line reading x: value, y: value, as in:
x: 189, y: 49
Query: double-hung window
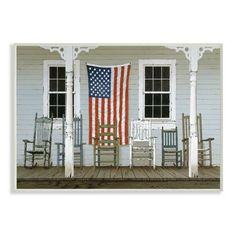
x: 157, y: 80
x: 55, y: 89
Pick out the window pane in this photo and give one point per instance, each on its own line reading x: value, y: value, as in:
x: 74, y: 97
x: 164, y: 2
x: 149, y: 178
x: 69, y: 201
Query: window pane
x: 53, y: 99
x: 61, y: 99
x: 148, y: 85
x: 148, y: 99
x: 148, y: 111
x: 61, y: 73
x: 157, y: 99
x: 148, y: 72
x: 61, y: 85
x: 53, y: 72
x: 157, y: 111
x: 61, y: 111
x: 157, y: 85
x: 166, y: 72
x: 165, y: 112
x: 165, y: 85
x: 157, y: 72
x: 165, y: 99
x: 53, y: 111
x: 53, y: 85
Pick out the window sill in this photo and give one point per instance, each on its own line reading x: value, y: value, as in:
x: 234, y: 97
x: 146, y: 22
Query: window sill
x: 159, y: 123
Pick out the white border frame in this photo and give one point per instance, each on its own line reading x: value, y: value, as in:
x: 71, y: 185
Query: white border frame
x: 46, y: 64
x: 158, y: 122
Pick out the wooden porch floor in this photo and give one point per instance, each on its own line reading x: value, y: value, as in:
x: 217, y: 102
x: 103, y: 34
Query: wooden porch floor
x: 118, y: 178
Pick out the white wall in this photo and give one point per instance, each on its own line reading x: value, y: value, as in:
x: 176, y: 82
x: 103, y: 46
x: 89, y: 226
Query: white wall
x: 30, y: 91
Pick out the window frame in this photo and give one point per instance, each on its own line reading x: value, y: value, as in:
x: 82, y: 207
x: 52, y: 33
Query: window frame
x: 51, y: 63
x: 158, y: 122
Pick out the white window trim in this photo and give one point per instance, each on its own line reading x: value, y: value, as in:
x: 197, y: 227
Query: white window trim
x: 159, y: 122
x: 46, y: 64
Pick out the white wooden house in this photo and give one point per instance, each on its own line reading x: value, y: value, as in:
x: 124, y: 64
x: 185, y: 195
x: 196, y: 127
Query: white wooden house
x: 186, y: 63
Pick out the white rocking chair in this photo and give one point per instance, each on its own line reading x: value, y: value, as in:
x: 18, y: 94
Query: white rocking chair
x: 142, y: 144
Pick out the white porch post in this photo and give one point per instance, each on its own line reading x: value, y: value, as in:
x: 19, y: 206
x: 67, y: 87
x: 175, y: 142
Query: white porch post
x: 69, y: 148
x: 193, y: 139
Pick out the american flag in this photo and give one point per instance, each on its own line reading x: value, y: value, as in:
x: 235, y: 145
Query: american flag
x: 109, y: 98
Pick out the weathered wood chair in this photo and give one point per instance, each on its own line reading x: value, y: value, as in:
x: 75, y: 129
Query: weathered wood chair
x: 204, y: 145
x: 78, y: 142
x: 40, y: 147
x: 170, y: 152
x: 106, y: 145
x: 142, y: 144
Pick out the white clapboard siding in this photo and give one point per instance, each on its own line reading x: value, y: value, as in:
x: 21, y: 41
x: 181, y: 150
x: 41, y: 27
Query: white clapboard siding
x: 30, y: 92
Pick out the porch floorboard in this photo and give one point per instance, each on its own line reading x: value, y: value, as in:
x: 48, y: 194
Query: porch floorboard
x: 118, y: 178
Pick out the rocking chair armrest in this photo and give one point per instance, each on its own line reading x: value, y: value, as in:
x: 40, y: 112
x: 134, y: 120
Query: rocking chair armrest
x: 46, y: 141
x: 27, y: 141
x: 117, y: 138
x: 58, y: 144
x: 95, y: 141
x: 208, y: 139
x: 185, y: 139
x: 131, y: 140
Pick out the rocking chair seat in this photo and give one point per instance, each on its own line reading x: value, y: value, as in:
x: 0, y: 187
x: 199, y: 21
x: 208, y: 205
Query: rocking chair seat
x: 145, y: 149
x: 35, y: 152
x: 108, y: 148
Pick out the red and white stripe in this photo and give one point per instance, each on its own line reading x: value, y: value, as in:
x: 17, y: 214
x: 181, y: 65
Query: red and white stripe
x: 115, y: 108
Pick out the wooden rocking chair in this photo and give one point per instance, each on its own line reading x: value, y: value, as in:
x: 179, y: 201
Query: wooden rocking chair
x: 170, y: 152
x: 204, y: 145
x: 41, y: 143
x: 78, y: 144
x: 106, y: 144
x: 142, y: 144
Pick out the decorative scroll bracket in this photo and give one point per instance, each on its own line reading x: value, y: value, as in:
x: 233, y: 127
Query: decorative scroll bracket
x: 76, y: 50
x: 193, y: 53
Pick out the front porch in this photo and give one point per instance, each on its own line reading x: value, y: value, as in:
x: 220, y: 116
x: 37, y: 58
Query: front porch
x: 118, y: 178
